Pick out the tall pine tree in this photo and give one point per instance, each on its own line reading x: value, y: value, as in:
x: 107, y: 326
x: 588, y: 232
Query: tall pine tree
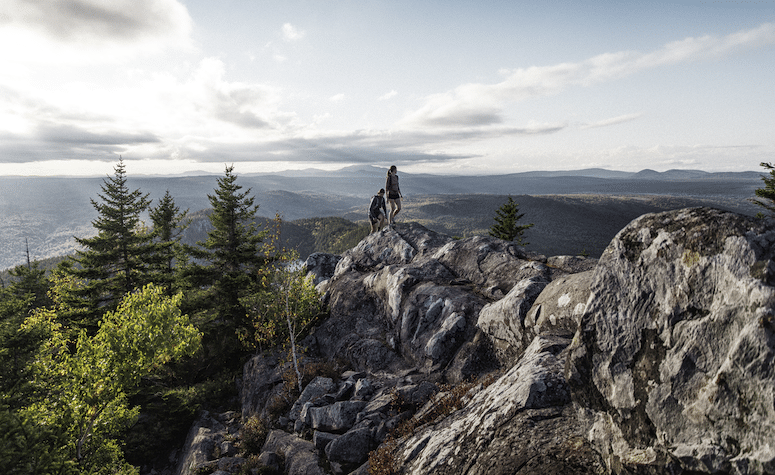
x: 116, y: 260
x: 506, y: 225
x: 233, y: 249
x: 168, y: 226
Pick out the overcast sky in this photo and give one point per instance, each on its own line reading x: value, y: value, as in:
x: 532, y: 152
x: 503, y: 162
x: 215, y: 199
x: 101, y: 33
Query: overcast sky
x: 448, y: 86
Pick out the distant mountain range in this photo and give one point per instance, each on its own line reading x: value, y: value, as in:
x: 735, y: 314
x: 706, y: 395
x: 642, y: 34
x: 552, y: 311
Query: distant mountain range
x: 49, y: 211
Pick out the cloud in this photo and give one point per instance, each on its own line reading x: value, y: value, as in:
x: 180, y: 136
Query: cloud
x: 196, y: 112
x: 612, y: 121
x: 337, y: 98
x: 246, y: 105
x: 291, y: 33
x: 72, y: 135
x: 481, y: 104
x: 73, y: 28
x: 388, y: 95
x: 359, y: 146
x: 354, y: 147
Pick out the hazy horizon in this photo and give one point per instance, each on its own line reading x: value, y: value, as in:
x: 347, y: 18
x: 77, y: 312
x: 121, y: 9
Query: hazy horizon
x: 292, y: 172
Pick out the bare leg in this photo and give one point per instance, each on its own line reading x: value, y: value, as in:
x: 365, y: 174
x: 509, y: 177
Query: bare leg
x: 395, y: 207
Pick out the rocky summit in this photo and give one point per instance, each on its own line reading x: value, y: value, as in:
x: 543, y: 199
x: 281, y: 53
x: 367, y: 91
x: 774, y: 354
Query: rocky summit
x: 475, y: 356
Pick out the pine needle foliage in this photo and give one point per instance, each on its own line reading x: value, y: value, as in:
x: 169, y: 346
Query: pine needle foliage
x: 116, y: 260
x: 233, y: 249
x: 168, y: 226
x: 506, y: 225
x: 768, y: 192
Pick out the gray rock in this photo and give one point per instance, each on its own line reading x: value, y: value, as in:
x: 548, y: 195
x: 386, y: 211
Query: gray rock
x: 674, y: 352
x: 422, y: 393
x: 474, y: 358
x: 315, y: 389
x: 490, y: 263
x: 345, y: 390
x: 394, y: 304
x: 337, y: 417
x: 656, y: 361
x: 270, y: 460
x: 299, y: 454
x: 351, y: 449
x: 503, y: 321
x: 321, y: 266
x: 381, y: 403
x: 571, y: 264
x: 465, y: 439
x: 353, y: 375
x: 363, y: 389
x: 204, y: 436
x: 321, y: 439
x: 559, y: 307
x: 259, y: 375
x: 228, y: 449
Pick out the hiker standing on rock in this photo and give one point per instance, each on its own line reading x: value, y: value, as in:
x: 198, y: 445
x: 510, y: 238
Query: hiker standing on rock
x: 377, y: 211
x: 393, y: 193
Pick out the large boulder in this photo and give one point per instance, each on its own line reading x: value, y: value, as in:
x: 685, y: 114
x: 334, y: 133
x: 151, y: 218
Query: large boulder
x: 260, y: 375
x: 299, y: 454
x: 349, y: 451
x: 492, y: 264
x: 559, y: 307
x: 337, y: 417
x: 409, y: 297
x: 673, y: 360
x: 504, y: 321
x: 314, y: 390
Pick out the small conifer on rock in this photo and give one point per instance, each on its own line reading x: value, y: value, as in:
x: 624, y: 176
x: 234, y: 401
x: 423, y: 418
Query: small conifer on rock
x: 506, y: 225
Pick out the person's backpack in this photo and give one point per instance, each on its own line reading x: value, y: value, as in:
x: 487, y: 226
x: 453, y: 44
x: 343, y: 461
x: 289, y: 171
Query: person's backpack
x: 374, y: 207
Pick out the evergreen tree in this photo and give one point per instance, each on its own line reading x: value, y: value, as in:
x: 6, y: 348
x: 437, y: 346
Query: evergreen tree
x: 233, y: 249
x: 30, y: 280
x: 27, y: 292
x: 768, y: 192
x: 117, y: 259
x: 168, y: 226
x: 506, y: 226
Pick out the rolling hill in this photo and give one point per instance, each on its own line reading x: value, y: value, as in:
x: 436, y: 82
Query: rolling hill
x: 573, y: 211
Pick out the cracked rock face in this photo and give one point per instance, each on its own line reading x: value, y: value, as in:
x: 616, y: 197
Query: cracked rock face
x: 675, y: 350
x: 514, y: 420
x: 409, y: 297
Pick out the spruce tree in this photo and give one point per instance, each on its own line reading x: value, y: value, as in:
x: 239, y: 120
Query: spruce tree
x: 116, y: 260
x: 768, y: 192
x: 506, y: 225
x: 170, y: 254
x: 233, y: 249
x: 27, y: 291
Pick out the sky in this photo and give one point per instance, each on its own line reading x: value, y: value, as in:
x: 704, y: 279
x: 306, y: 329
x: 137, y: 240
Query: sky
x: 449, y: 87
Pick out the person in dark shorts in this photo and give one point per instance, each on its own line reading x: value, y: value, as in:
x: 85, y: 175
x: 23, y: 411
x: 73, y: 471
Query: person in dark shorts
x: 393, y: 194
x: 377, y: 211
